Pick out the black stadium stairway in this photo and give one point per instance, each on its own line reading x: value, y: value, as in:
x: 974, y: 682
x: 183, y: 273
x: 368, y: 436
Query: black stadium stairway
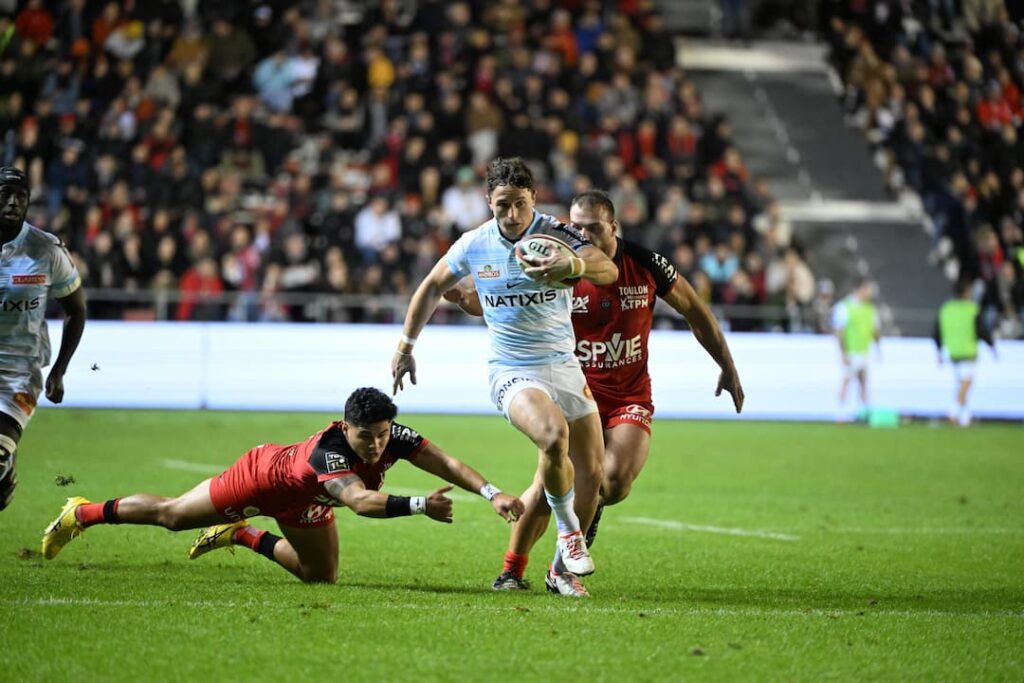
x: 789, y: 127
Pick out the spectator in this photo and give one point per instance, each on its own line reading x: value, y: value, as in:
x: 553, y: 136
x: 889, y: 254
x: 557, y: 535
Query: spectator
x: 377, y: 225
x: 464, y: 203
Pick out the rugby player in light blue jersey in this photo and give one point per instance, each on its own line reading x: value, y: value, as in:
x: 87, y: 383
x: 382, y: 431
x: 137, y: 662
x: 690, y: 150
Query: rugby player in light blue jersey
x: 536, y: 381
x: 33, y: 267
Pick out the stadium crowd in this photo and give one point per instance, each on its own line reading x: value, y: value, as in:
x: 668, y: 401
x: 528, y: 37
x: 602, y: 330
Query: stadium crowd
x: 268, y: 148
x: 938, y: 92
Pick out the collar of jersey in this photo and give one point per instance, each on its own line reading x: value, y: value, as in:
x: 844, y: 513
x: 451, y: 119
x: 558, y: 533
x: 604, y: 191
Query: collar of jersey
x: 501, y: 235
x: 19, y: 238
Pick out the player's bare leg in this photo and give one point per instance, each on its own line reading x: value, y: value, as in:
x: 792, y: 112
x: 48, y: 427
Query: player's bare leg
x: 625, y: 454
x: 963, y: 413
x: 525, y: 533
x: 310, y: 554
x: 844, y: 388
x: 862, y: 382
x: 534, y: 413
x: 586, y: 450
x: 626, y: 447
x: 190, y: 510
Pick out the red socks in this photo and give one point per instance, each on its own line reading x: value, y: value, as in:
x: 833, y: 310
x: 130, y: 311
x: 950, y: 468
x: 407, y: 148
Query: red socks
x: 249, y: 536
x: 98, y: 513
x: 515, y: 563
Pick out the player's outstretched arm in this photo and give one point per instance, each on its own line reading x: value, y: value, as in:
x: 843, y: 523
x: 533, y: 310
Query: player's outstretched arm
x: 74, y: 324
x: 705, y: 328
x: 424, y: 302
x: 353, y: 494
x: 432, y: 459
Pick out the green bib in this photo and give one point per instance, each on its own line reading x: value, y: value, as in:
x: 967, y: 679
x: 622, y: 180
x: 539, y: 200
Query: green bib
x: 860, y: 326
x: 957, y: 327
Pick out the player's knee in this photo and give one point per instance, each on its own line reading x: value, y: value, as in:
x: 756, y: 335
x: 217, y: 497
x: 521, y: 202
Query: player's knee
x: 616, y: 487
x: 172, y: 517
x: 553, y: 438
x: 320, y: 574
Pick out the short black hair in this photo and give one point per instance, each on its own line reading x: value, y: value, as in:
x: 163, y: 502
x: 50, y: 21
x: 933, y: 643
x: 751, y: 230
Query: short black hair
x: 512, y: 172
x: 595, y: 198
x: 367, y: 406
x: 12, y: 175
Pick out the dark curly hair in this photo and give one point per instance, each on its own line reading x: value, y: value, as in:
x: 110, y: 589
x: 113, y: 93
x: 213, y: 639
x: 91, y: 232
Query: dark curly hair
x: 366, y: 406
x: 595, y: 198
x: 512, y: 172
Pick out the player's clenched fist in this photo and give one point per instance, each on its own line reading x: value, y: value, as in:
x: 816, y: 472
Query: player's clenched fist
x: 439, y: 506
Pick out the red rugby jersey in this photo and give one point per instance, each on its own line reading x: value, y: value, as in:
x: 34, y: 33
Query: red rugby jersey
x: 613, y: 322
x: 299, y: 470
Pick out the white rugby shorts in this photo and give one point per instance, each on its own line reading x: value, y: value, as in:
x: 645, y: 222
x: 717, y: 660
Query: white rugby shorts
x: 19, y: 393
x: 963, y: 370
x: 563, y: 382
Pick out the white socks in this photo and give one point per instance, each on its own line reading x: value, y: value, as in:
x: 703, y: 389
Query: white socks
x: 565, y: 515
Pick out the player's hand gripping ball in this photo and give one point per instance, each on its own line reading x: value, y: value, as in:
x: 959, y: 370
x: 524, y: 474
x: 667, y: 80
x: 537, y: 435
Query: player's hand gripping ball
x: 533, y: 247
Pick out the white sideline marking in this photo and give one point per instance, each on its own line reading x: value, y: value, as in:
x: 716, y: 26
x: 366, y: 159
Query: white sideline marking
x: 728, y: 531
x: 940, y: 531
x: 193, y: 466
x: 561, y: 607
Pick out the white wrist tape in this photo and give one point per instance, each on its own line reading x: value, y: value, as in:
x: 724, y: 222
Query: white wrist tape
x: 489, y: 491
x: 417, y: 505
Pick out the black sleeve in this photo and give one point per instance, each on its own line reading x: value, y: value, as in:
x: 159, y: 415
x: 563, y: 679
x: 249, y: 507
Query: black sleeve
x: 660, y: 268
x: 983, y: 332
x: 405, y: 441
x: 331, y: 456
x: 937, y: 335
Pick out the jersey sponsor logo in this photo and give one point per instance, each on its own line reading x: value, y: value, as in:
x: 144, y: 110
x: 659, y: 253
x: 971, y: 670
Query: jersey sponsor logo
x: 314, y: 514
x: 611, y: 353
x: 509, y: 383
x: 488, y: 273
x: 404, y: 433
x: 523, y: 299
x: 637, y: 409
x: 581, y: 304
x: 39, y: 279
x: 664, y: 264
x: 19, y: 305
x: 336, y: 462
x: 25, y: 401
x: 633, y: 297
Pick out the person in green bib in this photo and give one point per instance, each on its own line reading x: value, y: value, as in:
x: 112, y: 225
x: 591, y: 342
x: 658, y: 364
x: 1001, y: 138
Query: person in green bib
x: 957, y: 331
x: 855, y: 322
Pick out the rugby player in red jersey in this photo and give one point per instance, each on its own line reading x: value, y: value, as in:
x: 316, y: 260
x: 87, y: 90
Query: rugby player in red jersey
x: 298, y: 485
x: 612, y: 324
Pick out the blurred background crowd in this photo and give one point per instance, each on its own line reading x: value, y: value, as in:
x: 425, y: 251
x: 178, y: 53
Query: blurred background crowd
x: 275, y: 149
x: 937, y: 88
x: 275, y: 160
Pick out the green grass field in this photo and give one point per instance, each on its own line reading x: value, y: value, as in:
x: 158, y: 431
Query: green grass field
x: 746, y: 552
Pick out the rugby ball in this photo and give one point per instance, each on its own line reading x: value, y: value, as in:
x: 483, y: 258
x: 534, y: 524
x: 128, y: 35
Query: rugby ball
x: 542, y: 246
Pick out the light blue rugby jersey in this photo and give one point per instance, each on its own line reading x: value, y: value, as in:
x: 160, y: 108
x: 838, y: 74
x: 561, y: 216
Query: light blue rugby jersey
x: 33, y: 267
x: 528, y: 322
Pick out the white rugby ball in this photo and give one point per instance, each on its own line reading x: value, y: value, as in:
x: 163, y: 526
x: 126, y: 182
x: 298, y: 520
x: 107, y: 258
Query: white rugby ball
x: 542, y: 246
